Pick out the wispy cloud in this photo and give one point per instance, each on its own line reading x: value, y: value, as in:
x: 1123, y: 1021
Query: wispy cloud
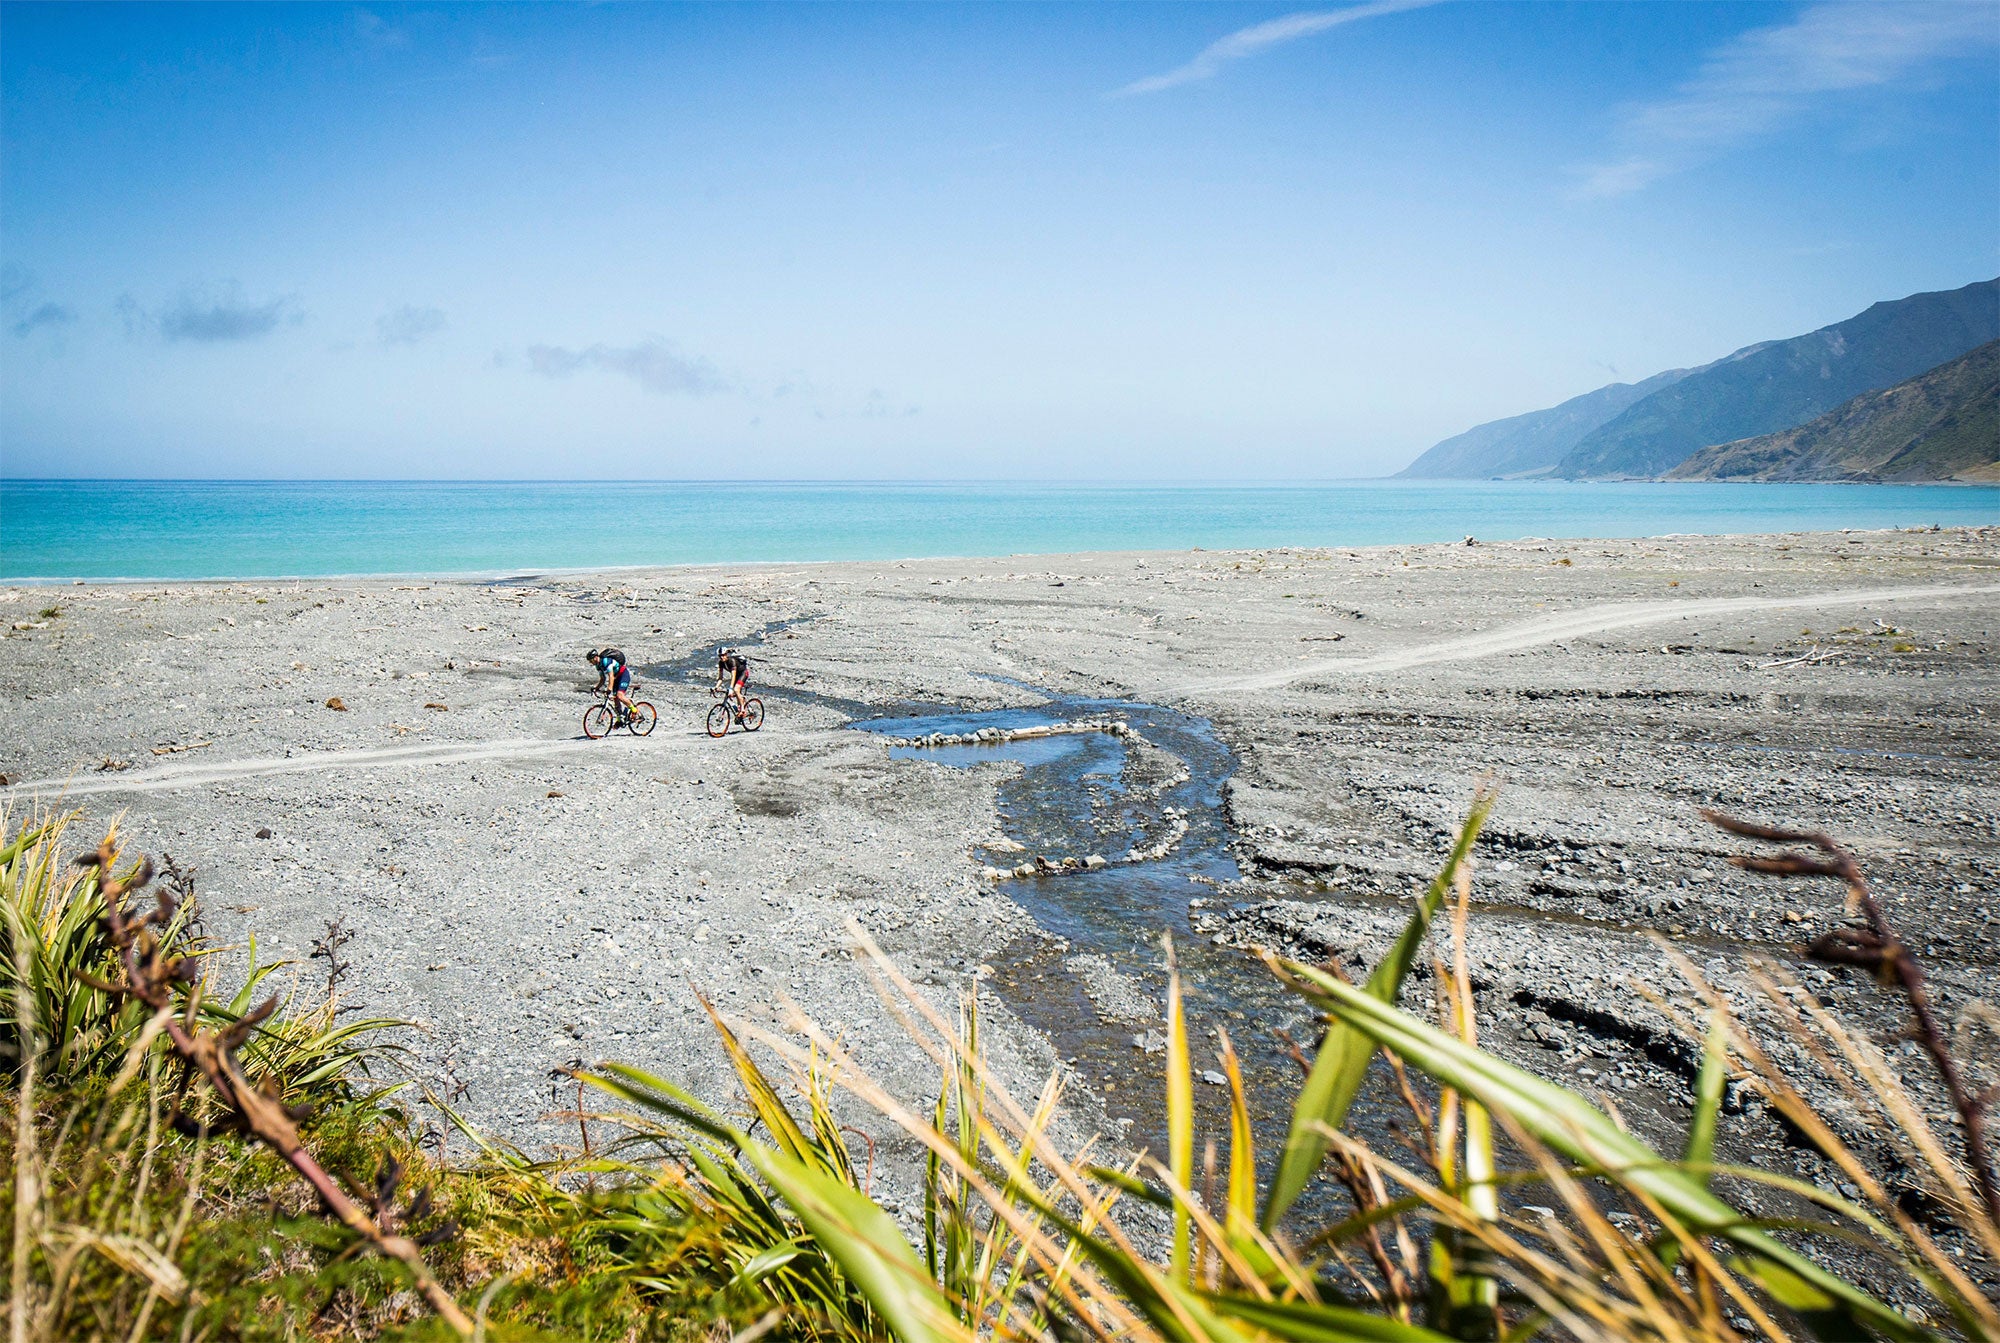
x: 48, y: 314
x: 407, y: 325
x: 1758, y: 82
x: 210, y: 316
x: 654, y: 364
x: 1261, y: 37
x: 376, y: 31
x: 24, y: 315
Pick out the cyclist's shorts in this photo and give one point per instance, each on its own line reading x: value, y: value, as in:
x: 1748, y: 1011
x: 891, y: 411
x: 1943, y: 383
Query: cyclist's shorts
x: 624, y: 678
x: 742, y: 678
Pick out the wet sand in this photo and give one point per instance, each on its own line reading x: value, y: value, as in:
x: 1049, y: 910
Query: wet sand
x: 531, y: 898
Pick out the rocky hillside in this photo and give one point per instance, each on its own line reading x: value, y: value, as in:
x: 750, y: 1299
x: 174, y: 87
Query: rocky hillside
x: 1942, y: 425
x: 1771, y: 388
x: 1649, y: 428
x: 1531, y: 444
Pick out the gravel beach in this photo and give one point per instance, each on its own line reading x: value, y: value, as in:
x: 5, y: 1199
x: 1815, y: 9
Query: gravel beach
x: 528, y: 897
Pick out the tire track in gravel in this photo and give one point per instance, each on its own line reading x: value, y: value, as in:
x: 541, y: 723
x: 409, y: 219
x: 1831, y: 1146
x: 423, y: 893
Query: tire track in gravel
x: 1508, y: 639
x: 1574, y: 624
x: 193, y: 775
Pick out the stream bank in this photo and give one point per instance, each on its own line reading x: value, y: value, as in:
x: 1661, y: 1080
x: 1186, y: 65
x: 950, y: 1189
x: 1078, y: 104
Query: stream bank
x: 1115, y: 832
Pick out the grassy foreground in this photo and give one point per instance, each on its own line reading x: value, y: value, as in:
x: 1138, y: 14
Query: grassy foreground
x: 187, y: 1165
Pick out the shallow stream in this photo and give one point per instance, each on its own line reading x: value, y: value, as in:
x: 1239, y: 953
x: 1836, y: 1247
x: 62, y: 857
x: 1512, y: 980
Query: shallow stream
x: 1086, y: 793
x: 1096, y: 984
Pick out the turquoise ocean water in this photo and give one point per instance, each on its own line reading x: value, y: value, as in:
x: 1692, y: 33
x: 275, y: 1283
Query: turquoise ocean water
x: 55, y: 530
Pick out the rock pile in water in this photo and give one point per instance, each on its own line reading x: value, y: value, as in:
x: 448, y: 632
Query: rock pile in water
x: 995, y: 736
x: 1045, y: 866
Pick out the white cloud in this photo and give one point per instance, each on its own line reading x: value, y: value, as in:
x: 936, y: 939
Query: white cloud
x: 1757, y: 82
x: 407, y: 325
x: 1262, y: 37
x: 653, y: 364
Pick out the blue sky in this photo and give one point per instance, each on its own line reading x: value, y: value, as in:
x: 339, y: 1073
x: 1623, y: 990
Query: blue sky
x: 1020, y: 240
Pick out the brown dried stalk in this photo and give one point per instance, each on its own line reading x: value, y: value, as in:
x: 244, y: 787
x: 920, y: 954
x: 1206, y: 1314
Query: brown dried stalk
x: 1877, y: 949
x: 155, y: 977
x: 1368, y: 1195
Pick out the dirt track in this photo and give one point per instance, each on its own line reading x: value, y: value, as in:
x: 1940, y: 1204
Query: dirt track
x: 1594, y: 620
x: 1508, y: 639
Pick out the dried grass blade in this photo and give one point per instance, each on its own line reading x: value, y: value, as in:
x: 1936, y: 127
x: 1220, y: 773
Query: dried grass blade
x: 763, y: 1096
x: 1310, y: 1322
x: 1342, y: 1062
x: 1180, y: 1114
x: 1572, y: 1126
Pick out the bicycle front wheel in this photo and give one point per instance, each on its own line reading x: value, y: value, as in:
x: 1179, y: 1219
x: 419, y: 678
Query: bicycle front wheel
x: 718, y: 720
x: 596, y: 721
x: 753, y: 714
x: 642, y: 719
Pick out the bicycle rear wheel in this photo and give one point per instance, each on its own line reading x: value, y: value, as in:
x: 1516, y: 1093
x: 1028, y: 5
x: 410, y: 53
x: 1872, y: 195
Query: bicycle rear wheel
x: 642, y: 719
x: 753, y: 714
x: 596, y: 721
x: 718, y: 720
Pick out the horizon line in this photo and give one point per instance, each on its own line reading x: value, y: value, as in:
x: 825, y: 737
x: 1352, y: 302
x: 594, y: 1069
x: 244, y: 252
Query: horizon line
x: 689, y: 480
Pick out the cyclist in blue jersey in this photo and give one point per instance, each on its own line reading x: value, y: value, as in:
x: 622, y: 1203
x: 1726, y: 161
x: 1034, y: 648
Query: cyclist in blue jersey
x: 606, y: 661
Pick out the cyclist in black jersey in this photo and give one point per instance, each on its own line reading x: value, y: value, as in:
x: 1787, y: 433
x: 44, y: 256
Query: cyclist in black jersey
x: 733, y: 669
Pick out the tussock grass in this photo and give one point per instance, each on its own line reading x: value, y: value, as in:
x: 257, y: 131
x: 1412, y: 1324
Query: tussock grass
x: 54, y: 947
x: 1516, y: 1208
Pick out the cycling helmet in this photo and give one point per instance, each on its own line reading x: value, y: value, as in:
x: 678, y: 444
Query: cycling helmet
x: 593, y: 655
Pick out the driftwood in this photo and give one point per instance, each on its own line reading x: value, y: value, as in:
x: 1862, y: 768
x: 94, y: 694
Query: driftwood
x: 1816, y: 656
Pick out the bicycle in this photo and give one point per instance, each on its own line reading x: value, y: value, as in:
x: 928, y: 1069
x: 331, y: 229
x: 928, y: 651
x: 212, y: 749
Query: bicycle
x: 720, y: 714
x: 600, y: 718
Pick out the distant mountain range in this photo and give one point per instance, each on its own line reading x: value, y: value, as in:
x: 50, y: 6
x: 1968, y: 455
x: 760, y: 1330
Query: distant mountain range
x: 1941, y: 425
x: 1646, y: 429
x: 1532, y: 444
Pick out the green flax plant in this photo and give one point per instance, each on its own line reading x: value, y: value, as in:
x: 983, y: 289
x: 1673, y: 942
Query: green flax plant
x: 54, y: 946
x: 1024, y: 1240
x: 695, y: 1224
x: 718, y: 1222
x: 97, y: 997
